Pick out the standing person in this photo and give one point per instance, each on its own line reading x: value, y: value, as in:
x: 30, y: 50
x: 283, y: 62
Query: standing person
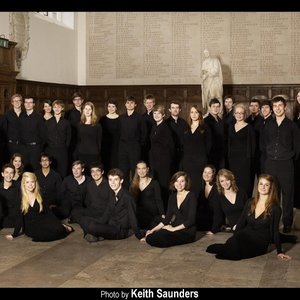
x: 196, y: 146
x: 257, y: 227
x: 179, y: 225
x: 161, y: 152
x: 89, y: 136
x: 73, y: 116
x: 280, y: 140
x: 178, y: 127
x: 35, y: 218
x: 58, y: 131
x: 146, y: 191
x: 149, y: 103
x: 241, y: 149
x: 9, y: 197
x: 229, y: 121
x: 297, y: 160
x: 212, y: 79
x: 111, y: 135
x: 132, y: 138
x: 49, y: 181
x: 119, y: 215
x: 231, y: 200
x: 266, y: 111
x: 255, y: 120
x: 216, y: 155
x: 17, y: 161
x: 47, y: 108
x: 12, y: 124
x: 32, y: 135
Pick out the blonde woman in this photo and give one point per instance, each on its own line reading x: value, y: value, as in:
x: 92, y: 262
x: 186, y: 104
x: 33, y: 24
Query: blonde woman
x: 257, y: 227
x: 241, y: 149
x: 35, y: 219
x: 89, y: 135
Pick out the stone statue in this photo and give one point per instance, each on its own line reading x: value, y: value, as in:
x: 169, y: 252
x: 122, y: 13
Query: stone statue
x: 212, y: 80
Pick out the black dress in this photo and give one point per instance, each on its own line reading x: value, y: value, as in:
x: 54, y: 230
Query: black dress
x: 185, y: 214
x: 196, y: 146
x: 241, y: 149
x: 149, y: 206
x: 252, y: 236
x: 110, y: 142
x: 40, y: 226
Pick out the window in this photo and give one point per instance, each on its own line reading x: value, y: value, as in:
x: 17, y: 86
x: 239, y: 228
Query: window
x: 65, y: 19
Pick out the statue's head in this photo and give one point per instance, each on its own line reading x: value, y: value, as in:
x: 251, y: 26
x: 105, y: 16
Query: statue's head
x: 206, y: 53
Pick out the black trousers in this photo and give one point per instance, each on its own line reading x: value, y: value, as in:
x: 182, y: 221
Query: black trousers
x: 283, y: 171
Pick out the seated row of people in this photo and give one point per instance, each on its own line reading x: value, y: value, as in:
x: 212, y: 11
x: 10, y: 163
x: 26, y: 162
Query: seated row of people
x: 257, y: 226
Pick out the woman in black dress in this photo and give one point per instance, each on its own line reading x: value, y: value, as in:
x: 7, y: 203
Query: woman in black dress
x: 196, y: 145
x: 89, y: 136
x: 231, y: 201
x: 257, y: 227
x: 17, y: 161
x: 297, y: 160
x: 111, y: 134
x: 208, y: 203
x: 179, y: 225
x: 241, y: 148
x: 146, y: 191
x: 36, y: 220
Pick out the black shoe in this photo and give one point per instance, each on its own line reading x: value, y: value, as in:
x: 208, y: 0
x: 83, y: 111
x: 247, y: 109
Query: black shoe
x: 287, y: 229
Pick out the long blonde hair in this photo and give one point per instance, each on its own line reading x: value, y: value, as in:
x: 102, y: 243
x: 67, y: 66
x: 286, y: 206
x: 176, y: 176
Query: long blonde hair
x: 94, y: 117
x: 37, y: 194
x: 229, y: 176
x: 272, y: 197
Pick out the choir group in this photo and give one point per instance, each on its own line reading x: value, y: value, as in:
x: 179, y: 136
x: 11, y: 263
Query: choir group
x: 162, y: 178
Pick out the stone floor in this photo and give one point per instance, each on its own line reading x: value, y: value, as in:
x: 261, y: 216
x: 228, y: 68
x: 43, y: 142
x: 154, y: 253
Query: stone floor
x: 73, y: 262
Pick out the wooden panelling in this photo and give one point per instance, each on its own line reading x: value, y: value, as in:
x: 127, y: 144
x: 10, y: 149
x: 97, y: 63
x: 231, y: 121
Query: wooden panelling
x: 187, y: 95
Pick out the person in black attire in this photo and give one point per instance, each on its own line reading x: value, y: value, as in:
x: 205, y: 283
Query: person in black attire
x: 179, y: 225
x: 208, y: 204
x: 132, y: 138
x: 58, y: 139
x: 96, y: 197
x: 297, y: 161
x: 216, y: 125
x: 35, y: 219
x: 9, y: 197
x: 196, y: 146
x: 89, y: 138
x: 257, y: 227
x: 241, y: 149
x: 32, y: 135
x: 111, y: 135
x: 231, y: 200
x: 161, y: 152
x: 255, y: 120
x: 49, y: 181
x: 3, y: 152
x: 280, y: 140
x: 73, y: 116
x: 266, y: 111
x: 228, y: 120
x: 47, y: 109
x: 12, y: 124
x: 149, y: 103
x: 73, y: 191
x: 146, y: 192
x: 178, y: 127
x: 17, y: 161
x: 119, y: 215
